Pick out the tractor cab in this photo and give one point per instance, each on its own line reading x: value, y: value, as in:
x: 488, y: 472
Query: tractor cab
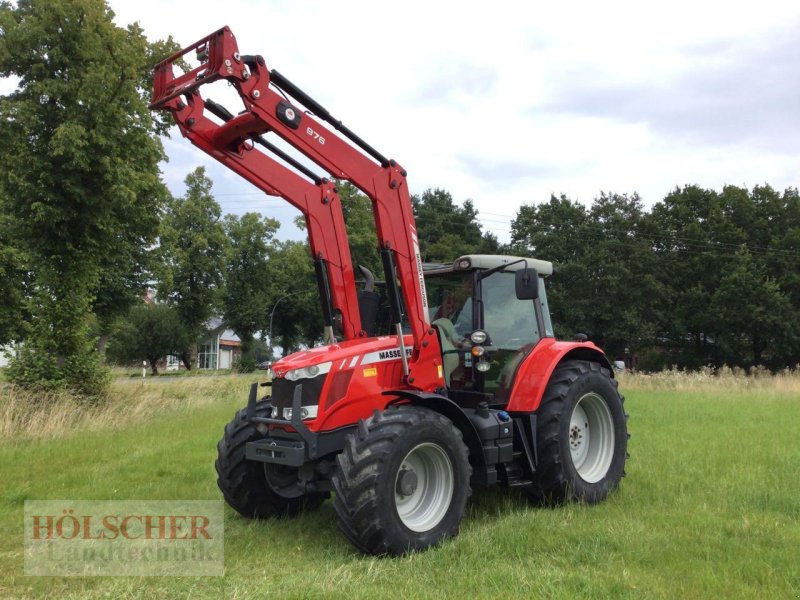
x: 486, y: 324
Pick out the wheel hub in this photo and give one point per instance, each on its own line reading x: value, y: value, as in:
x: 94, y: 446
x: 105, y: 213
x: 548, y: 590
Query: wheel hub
x: 579, y: 436
x: 283, y: 480
x: 407, y: 481
x: 424, y: 487
x: 576, y: 435
x: 591, y: 437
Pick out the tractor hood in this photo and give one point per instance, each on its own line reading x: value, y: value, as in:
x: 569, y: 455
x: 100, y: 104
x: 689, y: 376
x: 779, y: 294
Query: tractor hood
x: 342, y: 354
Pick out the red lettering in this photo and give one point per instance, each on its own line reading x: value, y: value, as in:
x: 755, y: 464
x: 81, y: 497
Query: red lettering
x: 73, y: 522
x: 175, y: 527
x: 124, y: 527
x: 37, y: 527
x: 87, y: 529
x: 149, y: 526
x: 200, y: 528
x: 110, y: 525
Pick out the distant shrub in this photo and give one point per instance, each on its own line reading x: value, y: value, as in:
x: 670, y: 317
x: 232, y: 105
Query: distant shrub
x: 80, y: 374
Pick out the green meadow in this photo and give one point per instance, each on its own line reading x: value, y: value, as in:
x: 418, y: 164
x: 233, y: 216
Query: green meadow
x: 710, y: 506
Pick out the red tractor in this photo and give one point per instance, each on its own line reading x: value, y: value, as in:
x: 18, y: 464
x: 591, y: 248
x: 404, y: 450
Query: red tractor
x: 438, y: 378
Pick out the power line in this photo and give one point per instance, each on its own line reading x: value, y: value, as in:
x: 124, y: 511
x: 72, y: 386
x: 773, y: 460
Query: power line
x: 687, y: 251
x: 654, y: 238
x: 673, y: 238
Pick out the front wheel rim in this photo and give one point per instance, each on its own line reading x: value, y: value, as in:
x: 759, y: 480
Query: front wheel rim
x: 424, y: 487
x: 591, y: 437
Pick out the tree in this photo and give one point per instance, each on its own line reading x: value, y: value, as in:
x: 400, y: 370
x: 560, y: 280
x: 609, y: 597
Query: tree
x: 80, y: 180
x: 447, y: 231
x: 125, y: 273
x: 783, y: 259
x: 193, y: 253
x: 13, y: 283
x: 622, y: 292
x: 361, y: 234
x: 245, y: 304
x: 753, y: 315
x: 724, y: 257
x: 558, y: 231
x: 689, y: 262
x: 295, y: 314
x: 149, y: 332
x: 604, y: 284
x: 756, y: 319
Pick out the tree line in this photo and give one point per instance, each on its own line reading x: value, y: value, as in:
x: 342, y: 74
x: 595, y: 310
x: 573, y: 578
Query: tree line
x: 87, y: 225
x: 702, y: 278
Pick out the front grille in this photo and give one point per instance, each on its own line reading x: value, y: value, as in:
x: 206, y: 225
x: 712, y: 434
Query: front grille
x: 283, y: 391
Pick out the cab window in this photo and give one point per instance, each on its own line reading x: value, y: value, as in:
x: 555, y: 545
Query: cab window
x: 510, y: 323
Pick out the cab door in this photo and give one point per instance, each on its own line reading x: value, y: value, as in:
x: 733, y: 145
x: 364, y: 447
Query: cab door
x: 513, y: 327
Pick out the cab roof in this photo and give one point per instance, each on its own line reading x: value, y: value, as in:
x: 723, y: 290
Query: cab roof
x: 490, y: 261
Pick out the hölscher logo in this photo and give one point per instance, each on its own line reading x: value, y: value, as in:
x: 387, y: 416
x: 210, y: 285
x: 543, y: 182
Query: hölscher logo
x: 128, y: 537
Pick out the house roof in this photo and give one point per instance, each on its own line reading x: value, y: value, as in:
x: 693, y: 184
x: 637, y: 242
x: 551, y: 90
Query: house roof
x: 216, y: 327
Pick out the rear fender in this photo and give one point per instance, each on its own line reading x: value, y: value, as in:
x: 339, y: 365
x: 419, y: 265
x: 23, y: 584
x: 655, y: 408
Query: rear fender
x: 452, y: 411
x: 533, y: 374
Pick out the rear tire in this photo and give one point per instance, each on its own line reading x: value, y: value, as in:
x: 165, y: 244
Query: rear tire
x: 581, y: 435
x: 243, y: 482
x: 402, y: 481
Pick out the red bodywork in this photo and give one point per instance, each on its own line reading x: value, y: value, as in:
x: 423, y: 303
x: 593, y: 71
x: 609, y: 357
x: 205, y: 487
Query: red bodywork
x: 534, y: 372
x: 362, y: 370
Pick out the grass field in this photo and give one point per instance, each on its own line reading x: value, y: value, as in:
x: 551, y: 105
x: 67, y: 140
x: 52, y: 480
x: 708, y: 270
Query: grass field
x: 710, y: 506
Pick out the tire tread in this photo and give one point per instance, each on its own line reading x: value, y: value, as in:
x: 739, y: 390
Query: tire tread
x: 365, y: 456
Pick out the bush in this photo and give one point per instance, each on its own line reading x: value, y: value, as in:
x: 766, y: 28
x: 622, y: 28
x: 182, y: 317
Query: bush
x: 245, y: 363
x: 39, y: 371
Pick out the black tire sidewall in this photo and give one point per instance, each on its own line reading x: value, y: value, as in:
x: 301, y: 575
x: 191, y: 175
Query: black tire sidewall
x: 250, y: 493
x: 579, y: 488
x: 440, y: 433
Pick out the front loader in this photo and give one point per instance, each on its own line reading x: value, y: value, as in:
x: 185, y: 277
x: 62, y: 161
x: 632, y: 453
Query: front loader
x: 448, y: 377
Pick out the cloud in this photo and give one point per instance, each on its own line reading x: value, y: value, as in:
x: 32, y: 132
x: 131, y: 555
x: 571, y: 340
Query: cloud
x: 452, y: 80
x: 503, y: 172
x: 727, y: 93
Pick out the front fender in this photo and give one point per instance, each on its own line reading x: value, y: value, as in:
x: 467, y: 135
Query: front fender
x: 533, y: 374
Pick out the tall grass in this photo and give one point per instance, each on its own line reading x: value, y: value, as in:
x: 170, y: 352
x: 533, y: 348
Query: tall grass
x: 724, y: 379
x: 25, y: 415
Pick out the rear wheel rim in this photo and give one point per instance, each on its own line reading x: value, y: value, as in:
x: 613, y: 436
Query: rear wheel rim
x: 591, y: 437
x: 424, y: 487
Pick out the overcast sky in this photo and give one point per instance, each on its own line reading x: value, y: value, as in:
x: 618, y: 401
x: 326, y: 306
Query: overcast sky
x: 507, y: 103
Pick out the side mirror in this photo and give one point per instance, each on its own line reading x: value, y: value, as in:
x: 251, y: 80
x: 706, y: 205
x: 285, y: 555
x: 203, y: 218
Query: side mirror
x: 527, y: 284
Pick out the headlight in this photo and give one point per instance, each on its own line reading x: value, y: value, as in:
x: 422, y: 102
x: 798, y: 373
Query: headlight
x: 478, y: 336
x: 308, y: 372
x: 306, y: 412
x: 483, y: 366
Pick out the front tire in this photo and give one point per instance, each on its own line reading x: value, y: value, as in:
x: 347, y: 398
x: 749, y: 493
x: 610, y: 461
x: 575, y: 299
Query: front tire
x: 582, y: 435
x: 244, y: 482
x: 402, y: 481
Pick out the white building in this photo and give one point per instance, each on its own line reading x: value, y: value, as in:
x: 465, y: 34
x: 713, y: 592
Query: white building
x: 219, y: 347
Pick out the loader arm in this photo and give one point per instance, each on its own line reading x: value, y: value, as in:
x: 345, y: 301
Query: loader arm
x: 301, y: 122
x: 319, y: 203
